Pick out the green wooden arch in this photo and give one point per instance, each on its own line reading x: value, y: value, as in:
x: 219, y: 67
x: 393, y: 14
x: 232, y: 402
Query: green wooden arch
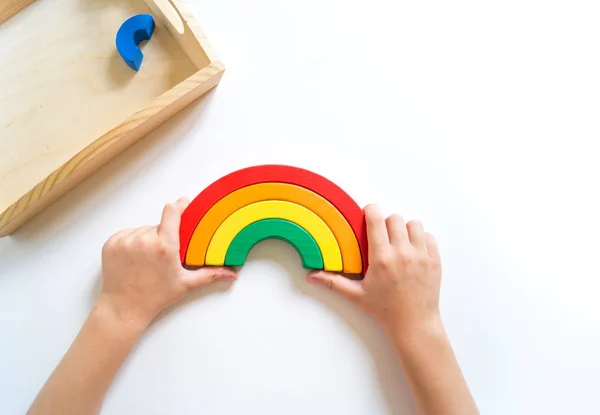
x: 279, y: 229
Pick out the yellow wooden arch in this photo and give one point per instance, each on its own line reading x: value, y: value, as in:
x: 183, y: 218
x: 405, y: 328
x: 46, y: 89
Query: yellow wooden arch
x: 275, y: 209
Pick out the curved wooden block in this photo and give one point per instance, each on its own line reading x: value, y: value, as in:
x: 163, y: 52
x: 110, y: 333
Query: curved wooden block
x: 275, y: 209
x: 279, y: 229
x: 135, y: 30
x: 351, y: 258
x: 274, y: 173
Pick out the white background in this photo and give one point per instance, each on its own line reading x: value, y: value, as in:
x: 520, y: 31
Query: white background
x: 479, y: 118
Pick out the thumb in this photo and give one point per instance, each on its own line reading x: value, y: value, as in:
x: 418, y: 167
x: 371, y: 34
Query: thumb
x: 352, y: 290
x: 207, y: 275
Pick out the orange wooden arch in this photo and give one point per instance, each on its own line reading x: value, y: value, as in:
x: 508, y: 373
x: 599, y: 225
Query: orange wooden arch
x: 349, y: 247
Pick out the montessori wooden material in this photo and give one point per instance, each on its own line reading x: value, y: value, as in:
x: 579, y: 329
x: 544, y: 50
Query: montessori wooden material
x: 8, y: 8
x: 279, y: 209
x: 224, y: 221
x: 274, y: 228
x: 69, y: 102
x: 236, y: 200
x: 134, y: 31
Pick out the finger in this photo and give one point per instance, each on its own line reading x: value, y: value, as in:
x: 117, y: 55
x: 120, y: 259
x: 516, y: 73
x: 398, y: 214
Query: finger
x: 183, y: 202
x: 376, y: 231
x: 352, y: 290
x: 416, y: 233
x: 171, y: 219
x: 207, y: 275
x: 396, y: 228
x: 432, y: 246
x: 115, y: 241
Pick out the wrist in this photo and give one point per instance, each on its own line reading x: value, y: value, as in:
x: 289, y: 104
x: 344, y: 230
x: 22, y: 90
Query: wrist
x: 406, y: 333
x: 118, y: 319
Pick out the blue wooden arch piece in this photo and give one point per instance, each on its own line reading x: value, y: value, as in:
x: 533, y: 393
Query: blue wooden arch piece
x: 135, y: 30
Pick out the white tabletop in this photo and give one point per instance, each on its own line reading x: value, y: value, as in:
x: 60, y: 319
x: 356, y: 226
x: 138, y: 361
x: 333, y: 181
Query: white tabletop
x: 479, y: 118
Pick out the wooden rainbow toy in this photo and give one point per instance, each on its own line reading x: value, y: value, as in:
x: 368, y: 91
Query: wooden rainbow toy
x: 323, y: 223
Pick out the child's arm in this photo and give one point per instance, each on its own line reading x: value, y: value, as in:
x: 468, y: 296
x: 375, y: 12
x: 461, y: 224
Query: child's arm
x: 401, y: 291
x: 141, y: 275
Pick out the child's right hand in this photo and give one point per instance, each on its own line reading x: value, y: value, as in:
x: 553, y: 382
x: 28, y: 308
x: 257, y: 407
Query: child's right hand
x: 402, y: 284
x: 142, y: 273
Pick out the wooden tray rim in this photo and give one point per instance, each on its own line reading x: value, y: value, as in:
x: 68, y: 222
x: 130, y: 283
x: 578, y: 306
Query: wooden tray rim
x: 85, y: 161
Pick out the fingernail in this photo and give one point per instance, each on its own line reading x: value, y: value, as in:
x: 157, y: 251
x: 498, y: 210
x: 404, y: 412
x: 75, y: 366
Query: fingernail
x: 313, y: 280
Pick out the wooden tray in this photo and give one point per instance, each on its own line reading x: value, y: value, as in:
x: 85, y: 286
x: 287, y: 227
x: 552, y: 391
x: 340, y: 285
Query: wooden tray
x: 69, y: 103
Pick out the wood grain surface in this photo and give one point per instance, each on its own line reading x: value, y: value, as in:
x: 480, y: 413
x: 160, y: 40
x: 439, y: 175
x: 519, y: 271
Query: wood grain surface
x: 70, y: 104
x: 9, y: 8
